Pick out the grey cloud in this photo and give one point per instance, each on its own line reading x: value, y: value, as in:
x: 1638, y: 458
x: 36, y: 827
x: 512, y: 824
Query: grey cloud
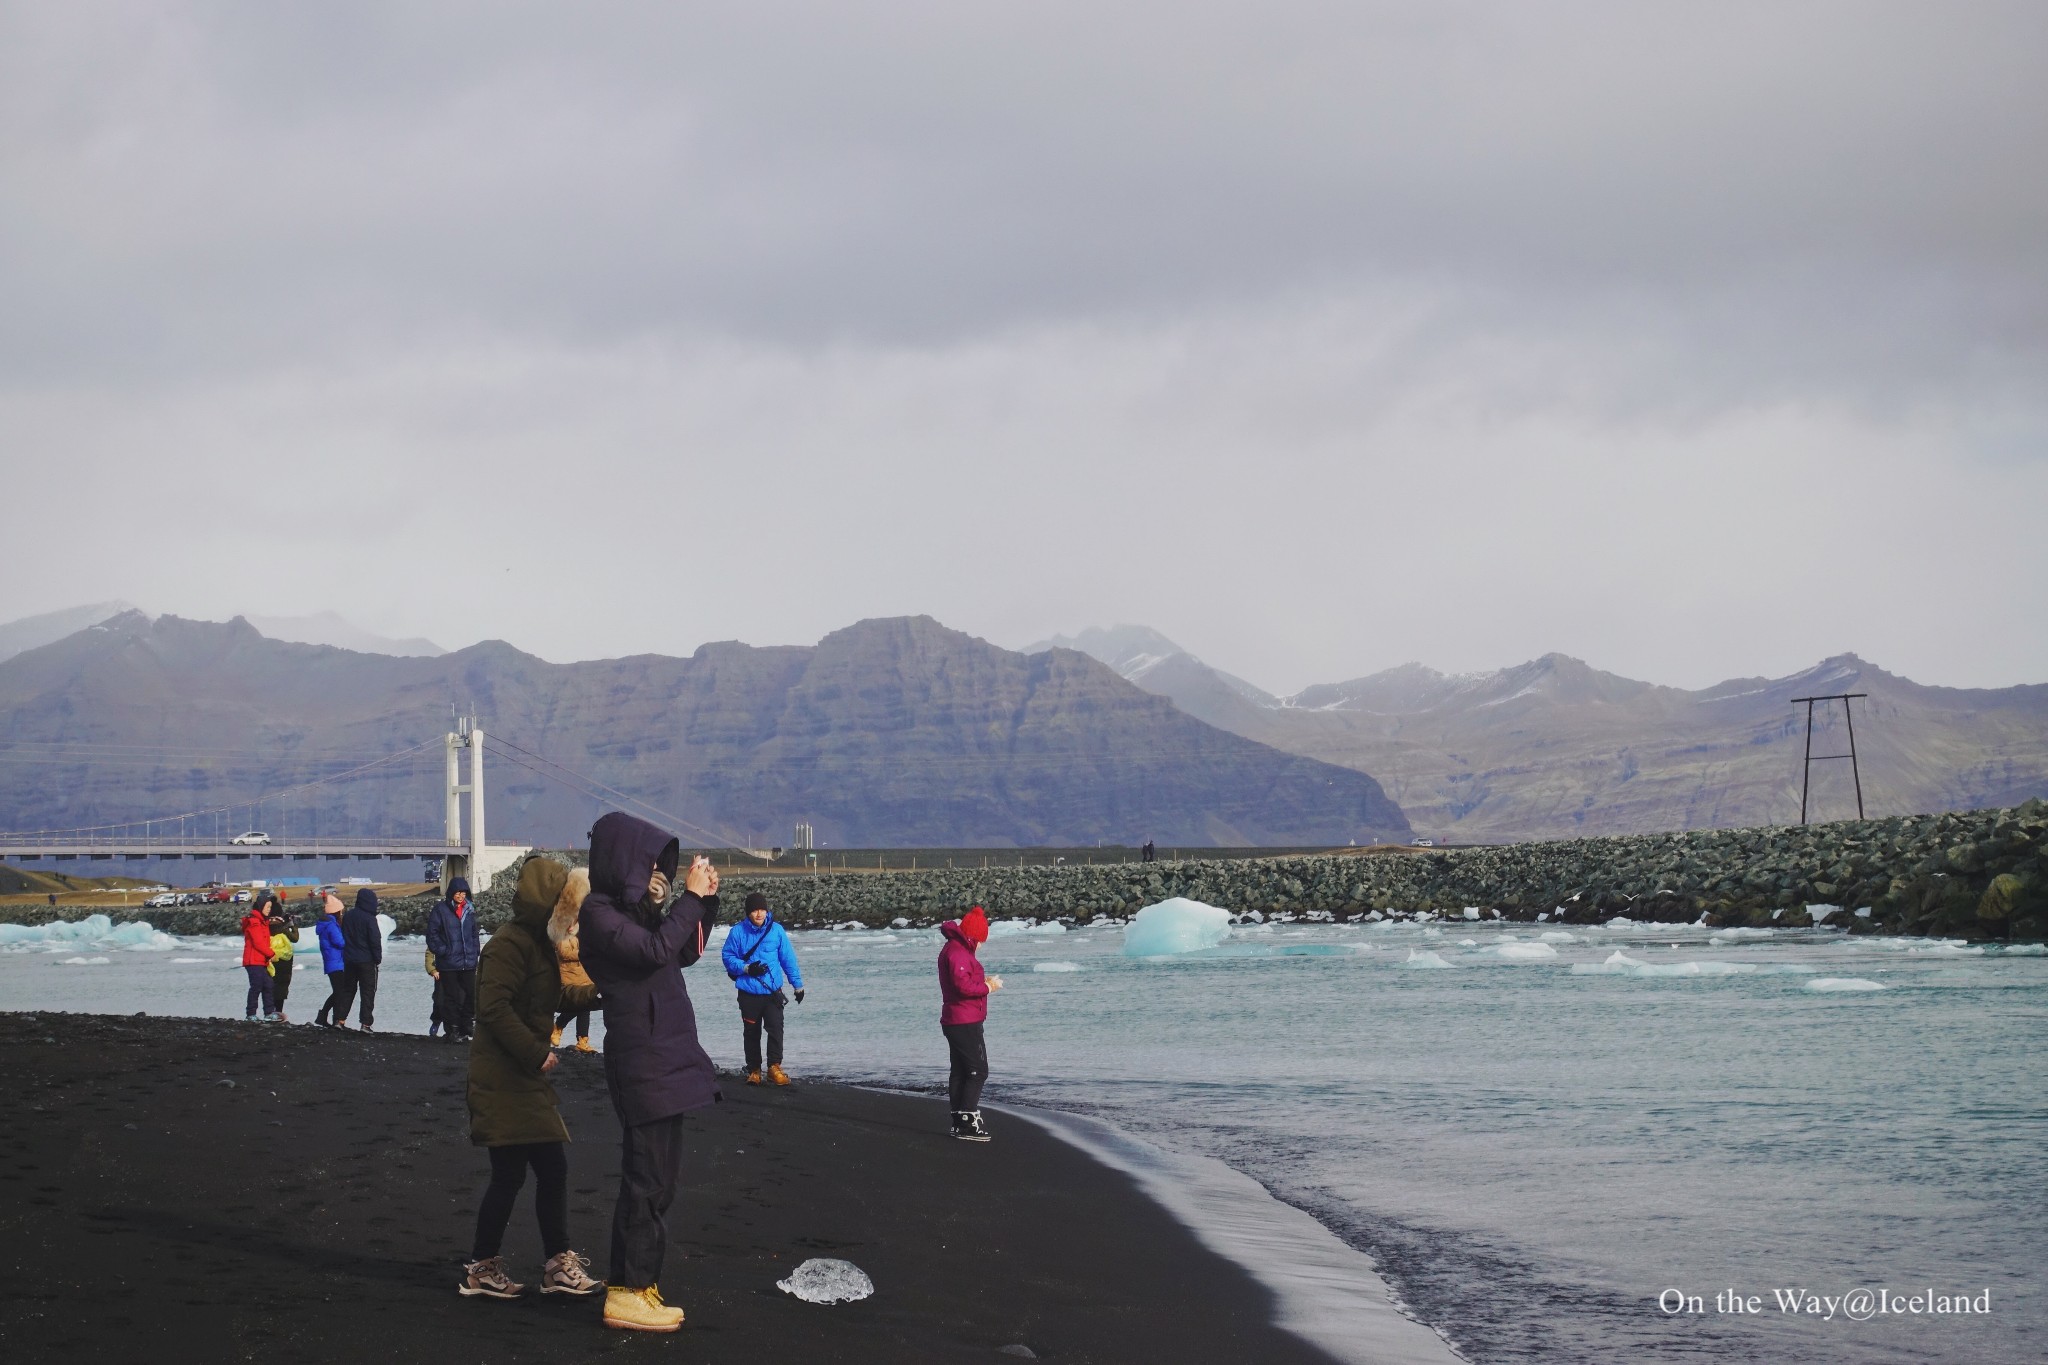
x: 1842, y: 195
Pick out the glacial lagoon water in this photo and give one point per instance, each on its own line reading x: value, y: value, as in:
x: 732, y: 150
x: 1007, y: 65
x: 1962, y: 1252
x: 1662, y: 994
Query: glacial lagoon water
x: 1545, y: 1138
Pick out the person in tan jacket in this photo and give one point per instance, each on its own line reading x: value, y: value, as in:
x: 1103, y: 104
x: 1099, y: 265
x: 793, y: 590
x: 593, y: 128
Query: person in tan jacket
x: 569, y: 952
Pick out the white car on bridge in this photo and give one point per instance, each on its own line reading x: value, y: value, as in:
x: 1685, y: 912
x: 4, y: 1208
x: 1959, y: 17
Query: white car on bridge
x: 252, y: 837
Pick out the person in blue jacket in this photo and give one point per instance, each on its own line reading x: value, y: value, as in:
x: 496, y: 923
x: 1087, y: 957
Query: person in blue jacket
x: 457, y: 944
x: 332, y: 960
x: 758, y: 957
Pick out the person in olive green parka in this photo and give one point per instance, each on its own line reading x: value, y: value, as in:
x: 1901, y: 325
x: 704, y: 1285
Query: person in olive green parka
x: 513, y: 1112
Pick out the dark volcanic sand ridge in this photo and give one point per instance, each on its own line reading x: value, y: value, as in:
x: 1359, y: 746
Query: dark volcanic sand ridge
x: 317, y: 1210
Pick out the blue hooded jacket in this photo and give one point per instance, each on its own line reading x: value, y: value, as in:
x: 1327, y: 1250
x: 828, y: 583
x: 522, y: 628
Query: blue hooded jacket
x: 362, y: 938
x: 745, y: 945
x: 455, y: 940
x: 332, y: 952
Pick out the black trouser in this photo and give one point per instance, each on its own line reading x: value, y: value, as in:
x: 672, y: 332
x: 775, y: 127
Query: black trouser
x: 756, y: 1010
x: 550, y: 1162
x: 337, y: 987
x: 358, y: 976
x: 458, y: 1002
x: 650, y: 1155
x: 281, y: 985
x: 259, y: 990
x: 435, y: 1020
x: 970, y: 1065
x: 582, y: 1018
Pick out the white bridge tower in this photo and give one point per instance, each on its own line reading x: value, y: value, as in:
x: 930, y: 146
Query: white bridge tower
x: 478, y: 862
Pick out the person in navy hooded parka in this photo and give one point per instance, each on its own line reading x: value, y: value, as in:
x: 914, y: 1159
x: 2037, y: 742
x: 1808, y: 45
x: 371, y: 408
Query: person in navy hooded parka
x: 634, y: 945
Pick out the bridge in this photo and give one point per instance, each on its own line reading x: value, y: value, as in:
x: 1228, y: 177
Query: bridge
x: 458, y: 855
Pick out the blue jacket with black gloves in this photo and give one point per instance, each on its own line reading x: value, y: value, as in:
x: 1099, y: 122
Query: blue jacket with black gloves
x: 745, y: 945
x: 455, y: 940
x: 328, y: 931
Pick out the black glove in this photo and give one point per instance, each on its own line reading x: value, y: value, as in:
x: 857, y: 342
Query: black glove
x: 799, y: 995
x: 710, y: 911
x: 757, y: 969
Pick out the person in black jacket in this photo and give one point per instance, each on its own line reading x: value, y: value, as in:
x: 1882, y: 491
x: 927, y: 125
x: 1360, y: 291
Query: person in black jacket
x: 362, y: 953
x: 634, y: 945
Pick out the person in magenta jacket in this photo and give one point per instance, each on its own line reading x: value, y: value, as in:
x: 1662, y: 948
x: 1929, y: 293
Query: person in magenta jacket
x: 964, y: 990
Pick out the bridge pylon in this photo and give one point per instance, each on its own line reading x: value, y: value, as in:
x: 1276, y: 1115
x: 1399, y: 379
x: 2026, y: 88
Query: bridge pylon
x: 481, y: 862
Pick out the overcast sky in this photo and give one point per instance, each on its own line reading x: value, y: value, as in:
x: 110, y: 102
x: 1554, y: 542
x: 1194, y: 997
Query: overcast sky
x: 1695, y: 341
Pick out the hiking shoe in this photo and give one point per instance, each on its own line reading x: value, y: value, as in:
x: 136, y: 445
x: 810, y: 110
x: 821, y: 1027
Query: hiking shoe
x: 556, y: 1040
x: 753, y: 1078
x: 568, y: 1273
x: 583, y: 1045
x: 487, y: 1277
x: 778, y: 1075
x: 639, y: 1310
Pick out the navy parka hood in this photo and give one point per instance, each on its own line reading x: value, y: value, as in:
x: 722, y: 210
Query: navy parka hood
x: 624, y: 850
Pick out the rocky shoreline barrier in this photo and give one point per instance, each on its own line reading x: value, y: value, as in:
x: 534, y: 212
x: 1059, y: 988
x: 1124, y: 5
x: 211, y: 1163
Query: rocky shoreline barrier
x: 1967, y: 874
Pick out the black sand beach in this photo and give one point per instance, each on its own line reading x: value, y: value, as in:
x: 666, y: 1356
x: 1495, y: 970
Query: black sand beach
x: 317, y: 1209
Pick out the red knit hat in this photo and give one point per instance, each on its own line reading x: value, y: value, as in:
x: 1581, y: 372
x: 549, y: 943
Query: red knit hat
x: 974, y: 925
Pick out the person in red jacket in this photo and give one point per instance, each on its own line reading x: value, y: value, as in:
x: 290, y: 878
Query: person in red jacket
x: 256, y: 954
x: 964, y: 990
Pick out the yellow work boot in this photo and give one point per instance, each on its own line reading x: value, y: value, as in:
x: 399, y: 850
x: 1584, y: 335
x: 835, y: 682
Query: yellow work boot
x: 778, y: 1075
x: 556, y: 1041
x: 639, y: 1310
x: 753, y: 1078
x: 583, y: 1045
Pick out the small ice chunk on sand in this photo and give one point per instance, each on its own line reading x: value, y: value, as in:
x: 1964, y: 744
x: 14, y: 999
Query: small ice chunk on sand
x: 825, y: 1280
x: 1178, y: 925
x: 1842, y: 983
x: 1055, y: 966
x: 1419, y: 958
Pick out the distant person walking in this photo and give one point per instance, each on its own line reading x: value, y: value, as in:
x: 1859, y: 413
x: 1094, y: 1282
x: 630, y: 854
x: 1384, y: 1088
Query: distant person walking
x: 759, y: 957
x: 963, y: 992
x: 456, y: 943
x: 332, y: 962
x: 513, y: 1112
x: 654, y: 1067
x: 256, y: 955
x: 284, y: 937
x: 1148, y: 853
x: 362, y: 949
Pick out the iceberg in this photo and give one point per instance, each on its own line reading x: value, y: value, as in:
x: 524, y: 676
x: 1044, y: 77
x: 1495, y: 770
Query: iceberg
x: 1420, y: 958
x: 97, y: 930
x: 824, y: 1280
x: 85, y: 962
x: 1842, y: 983
x: 1004, y: 928
x: 1178, y: 925
x: 1558, y: 936
x: 1525, y: 952
x: 1055, y: 966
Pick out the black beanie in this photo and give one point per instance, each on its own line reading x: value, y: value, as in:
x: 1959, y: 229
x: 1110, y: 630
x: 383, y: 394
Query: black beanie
x: 756, y: 901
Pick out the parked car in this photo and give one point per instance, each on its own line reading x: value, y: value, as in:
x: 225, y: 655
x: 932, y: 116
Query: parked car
x: 240, y: 898
x: 220, y: 895
x: 254, y: 836
x: 161, y: 902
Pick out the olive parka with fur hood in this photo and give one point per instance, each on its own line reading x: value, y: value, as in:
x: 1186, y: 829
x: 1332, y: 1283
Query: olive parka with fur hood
x: 518, y: 990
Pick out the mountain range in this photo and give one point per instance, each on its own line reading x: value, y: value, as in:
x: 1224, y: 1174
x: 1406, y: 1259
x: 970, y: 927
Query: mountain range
x: 1555, y: 748
x: 889, y: 732
x: 319, y: 628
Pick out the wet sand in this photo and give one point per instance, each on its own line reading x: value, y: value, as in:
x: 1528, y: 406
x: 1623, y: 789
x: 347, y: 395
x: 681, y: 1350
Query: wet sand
x: 318, y: 1209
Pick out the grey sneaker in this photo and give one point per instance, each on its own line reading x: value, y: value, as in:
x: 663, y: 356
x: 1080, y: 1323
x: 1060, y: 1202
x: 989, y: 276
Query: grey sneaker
x: 568, y: 1273
x: 488, y: 1277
